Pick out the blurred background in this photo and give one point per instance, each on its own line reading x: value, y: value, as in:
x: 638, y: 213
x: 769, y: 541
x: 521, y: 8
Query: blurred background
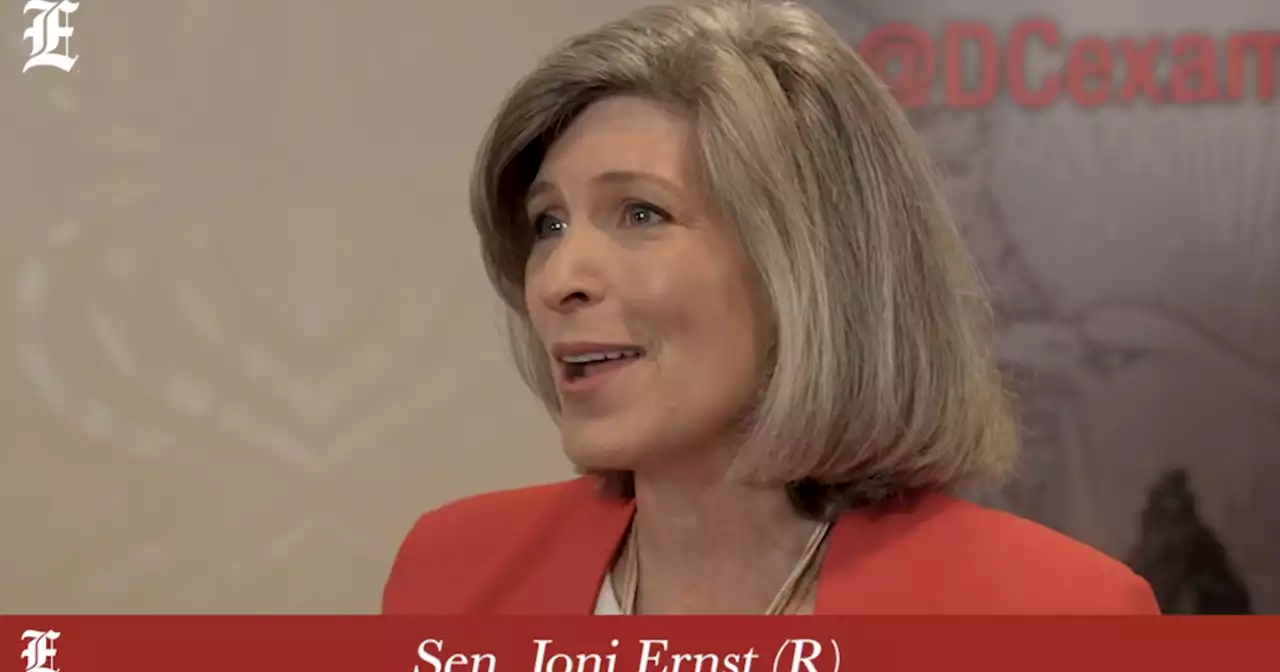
x: 245, y: 336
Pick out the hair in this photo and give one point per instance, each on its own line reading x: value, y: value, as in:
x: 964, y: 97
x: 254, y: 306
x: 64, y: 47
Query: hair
x: 881, y: 380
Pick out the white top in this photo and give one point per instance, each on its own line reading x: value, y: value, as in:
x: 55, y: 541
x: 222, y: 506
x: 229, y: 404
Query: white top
x: 607, y: 603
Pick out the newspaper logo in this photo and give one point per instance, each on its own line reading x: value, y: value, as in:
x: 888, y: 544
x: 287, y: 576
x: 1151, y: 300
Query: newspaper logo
x: 50, y: 34
x: 40, y: 652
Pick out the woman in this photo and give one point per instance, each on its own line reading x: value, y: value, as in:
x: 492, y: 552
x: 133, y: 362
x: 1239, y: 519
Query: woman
x: 732, y: 281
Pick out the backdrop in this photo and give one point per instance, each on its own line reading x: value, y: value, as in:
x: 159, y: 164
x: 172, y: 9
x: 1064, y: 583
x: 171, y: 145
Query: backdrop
x: 245, y: 338
x: 1114, y: 166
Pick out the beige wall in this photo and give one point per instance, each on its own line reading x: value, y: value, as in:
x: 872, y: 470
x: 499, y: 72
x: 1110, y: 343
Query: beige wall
x: 244, y: 334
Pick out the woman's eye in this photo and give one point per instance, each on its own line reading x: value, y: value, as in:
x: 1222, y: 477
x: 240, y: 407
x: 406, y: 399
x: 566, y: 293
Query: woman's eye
x: 545, y: 226
x: 642, y: 215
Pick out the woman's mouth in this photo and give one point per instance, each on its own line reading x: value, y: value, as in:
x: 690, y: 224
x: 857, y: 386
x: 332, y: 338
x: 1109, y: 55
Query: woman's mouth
x: 585, y: 369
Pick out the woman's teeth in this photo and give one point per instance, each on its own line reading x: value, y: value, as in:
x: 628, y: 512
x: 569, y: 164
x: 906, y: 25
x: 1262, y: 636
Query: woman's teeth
x: 591, y: 357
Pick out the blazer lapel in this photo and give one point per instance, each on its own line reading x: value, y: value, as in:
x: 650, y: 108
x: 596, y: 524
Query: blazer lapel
x: 575, y: 557
x: 863, y: 570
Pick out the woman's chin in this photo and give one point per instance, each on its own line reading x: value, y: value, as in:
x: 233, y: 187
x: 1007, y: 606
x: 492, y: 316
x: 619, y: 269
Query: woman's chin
x: 606, y: 443
x: 602, y: 456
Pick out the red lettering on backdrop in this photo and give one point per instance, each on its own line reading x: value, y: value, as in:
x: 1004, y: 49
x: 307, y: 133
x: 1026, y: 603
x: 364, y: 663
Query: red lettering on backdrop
x: 1050, y: 85
x: 1089, y: 71
x: 908, y: 47
x: 1193, y: 79
x: 1264, y: 45
x: 955, y: 36
x: 1140, y: 60
x: 1095, y: 71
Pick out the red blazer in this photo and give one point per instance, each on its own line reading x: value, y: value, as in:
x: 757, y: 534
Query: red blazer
x: 545, y: 550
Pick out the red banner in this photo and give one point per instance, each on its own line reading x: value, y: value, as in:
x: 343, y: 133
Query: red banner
x: 644, y: 644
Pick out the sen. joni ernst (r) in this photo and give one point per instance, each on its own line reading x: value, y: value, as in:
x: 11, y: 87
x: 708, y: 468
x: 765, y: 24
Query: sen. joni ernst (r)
x: 733, y: 282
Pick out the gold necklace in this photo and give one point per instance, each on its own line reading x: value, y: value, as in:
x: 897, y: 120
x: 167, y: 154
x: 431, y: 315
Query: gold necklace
x: 782, y: 600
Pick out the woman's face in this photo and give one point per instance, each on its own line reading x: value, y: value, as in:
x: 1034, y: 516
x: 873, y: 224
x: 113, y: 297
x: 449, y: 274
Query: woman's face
x: 647, y: 306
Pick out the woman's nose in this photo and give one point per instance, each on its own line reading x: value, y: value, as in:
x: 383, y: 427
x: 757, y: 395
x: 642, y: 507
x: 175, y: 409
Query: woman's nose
x: 571, y: 275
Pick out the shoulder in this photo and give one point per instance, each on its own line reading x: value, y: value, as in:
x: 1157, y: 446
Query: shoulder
x: 1032, y: 555
x: 454, y: 552
x: 978, y: 560
x: 479, y: 518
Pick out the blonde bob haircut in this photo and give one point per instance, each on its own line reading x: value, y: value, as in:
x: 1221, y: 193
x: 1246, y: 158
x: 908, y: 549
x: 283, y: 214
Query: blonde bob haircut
x: 881, y: 381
